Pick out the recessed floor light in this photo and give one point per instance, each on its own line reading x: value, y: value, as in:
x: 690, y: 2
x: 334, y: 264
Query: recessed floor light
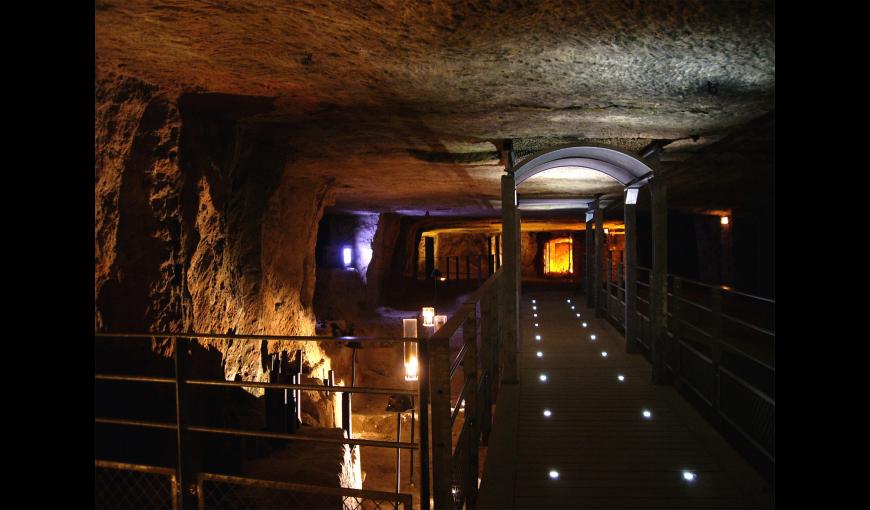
x: 539, y: 354
x: 534, y: 308
x: 543, y: 377
x: 568, y: 300
x: 572, y: 307
x: 603, y: 354
x: 689, y: 476
x: 578, y: 315
x: 533, y: 301
x: 535, y: 314
x: 620, y: 377
x: 537, y: 337
x: 536, y: 324
x: 647, y: 414
x: 593, y: 337
x: 547, y: 413
x: 584, y: 324
x: 554, y: 474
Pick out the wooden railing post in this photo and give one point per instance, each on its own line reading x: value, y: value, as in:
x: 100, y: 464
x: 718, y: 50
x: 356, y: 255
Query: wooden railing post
x: 715, y: 346
x: 487, y: 340
x: 424, y: 371
x: 510, y: 279
x: 598, y: 217
x: 588, y: 266
x: 469, y: 369
x: 442, y: 445
x: 631, y: 328
x: 608, y: 281
x: 658, y: 283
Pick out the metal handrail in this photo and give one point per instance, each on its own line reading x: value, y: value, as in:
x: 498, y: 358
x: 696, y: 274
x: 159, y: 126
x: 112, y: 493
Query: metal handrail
x: 310, y: 387
x: 457, y: 361
x: 748, y: 325
x: 136, y: 423
x: 179, y: 382
x: 158, y: 470
x: 134, y: 378
x: 217, y: 336
x: 459, y: 402
x: 297, y: 437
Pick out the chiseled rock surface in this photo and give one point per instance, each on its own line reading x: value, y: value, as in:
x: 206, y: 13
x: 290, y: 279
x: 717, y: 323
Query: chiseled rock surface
x: 311, y: 463
x: 404, y: 103
x: 214, y: 235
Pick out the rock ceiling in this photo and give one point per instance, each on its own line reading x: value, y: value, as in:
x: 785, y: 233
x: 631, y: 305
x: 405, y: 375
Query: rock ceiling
x: 404, y: 103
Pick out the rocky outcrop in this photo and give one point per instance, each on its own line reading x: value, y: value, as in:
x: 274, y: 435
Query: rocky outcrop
x: 383, y: 250
x: 201, y: 225
x: 137, y: 207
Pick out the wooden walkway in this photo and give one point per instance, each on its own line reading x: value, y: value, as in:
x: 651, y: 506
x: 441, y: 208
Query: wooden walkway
x: 606, y: 453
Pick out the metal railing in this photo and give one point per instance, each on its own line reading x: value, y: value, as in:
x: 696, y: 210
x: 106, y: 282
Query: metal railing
x: 118, y: 483
x: 454, y: 466
x: 455, y: 462
x: 720, y: 347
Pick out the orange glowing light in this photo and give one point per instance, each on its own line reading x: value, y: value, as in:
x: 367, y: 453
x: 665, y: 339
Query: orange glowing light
x: 724, y: 220
x: 558, y: 257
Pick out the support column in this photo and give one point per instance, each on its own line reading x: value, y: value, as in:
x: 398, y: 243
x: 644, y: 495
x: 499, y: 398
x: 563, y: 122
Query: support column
x: 588, y: 277
x: 631, y: 275
x: 658, y: 288
x: 599, y: 248
x: 510, y: 277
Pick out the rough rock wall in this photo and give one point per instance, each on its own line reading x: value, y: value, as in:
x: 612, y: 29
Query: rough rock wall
x: 200, y: 224
x: 473, y: 246
x: 137, y: 256
x: 530, y: 252
x: 383, y: 251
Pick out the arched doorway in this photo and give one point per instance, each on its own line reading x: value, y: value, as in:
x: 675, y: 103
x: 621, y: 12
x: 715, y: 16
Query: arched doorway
x: 632, y: 174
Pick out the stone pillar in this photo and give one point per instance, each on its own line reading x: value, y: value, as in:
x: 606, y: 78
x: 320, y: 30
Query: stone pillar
x: 630, y: 278
x: 599, y: 248
x: 658, y: 288
x: 510, y: 277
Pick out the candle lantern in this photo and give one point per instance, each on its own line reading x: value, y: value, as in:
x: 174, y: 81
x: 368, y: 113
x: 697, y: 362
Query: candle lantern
x: 428, y: 316
x: 411, y: 363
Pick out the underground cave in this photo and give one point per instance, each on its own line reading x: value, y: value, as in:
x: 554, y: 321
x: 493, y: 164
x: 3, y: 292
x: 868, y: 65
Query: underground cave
x: 377, y: 254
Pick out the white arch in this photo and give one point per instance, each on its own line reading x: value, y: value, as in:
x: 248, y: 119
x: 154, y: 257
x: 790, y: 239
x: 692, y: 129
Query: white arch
x: 623, y: 167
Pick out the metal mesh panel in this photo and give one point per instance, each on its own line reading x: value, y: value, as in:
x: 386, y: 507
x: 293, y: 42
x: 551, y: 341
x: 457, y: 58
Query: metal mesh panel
x: 231, y: 493
x: 120, y: 486
x: 753, y: 414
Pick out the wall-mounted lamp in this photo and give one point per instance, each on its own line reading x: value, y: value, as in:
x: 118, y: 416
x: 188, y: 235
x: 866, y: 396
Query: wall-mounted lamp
x: 347, y: 255
x: 411, y: 364
x: 428, y: 316
x: 724, y: 220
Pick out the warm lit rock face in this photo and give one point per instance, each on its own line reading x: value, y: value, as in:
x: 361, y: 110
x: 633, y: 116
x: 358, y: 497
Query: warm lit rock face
x: 137, y: 208
x: 201, y: 225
